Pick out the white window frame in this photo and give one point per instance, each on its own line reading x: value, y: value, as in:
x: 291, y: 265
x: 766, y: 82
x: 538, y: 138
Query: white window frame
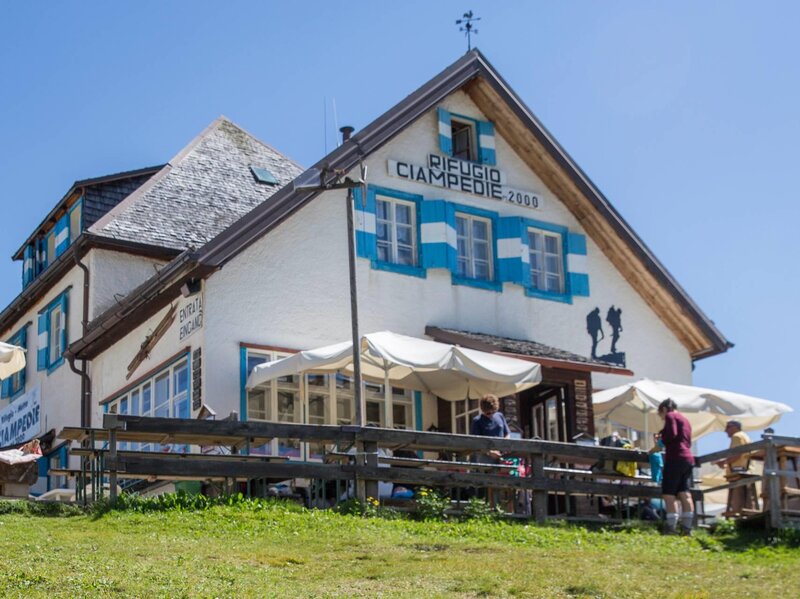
x: 392, y: 225
x: 471, y: 408
x: 470, y: 247
x: 374, y: 394
x: 543, y: 254
x: 132, y: 401
x: 474, y: 151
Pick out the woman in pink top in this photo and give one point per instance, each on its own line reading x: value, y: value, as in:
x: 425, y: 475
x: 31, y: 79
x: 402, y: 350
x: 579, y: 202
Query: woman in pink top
x: 678, y: 464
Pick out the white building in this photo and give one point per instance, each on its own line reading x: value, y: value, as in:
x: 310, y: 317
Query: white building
x: 476, y: 228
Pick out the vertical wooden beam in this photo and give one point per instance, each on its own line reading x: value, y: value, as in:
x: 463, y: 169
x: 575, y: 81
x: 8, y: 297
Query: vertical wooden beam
x: 539, y: 497
x: 371, y: 454
x: 112, y: 473
x: 772, y: 483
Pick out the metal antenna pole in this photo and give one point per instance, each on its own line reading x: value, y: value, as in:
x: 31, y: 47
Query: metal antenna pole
x: 351, y: 251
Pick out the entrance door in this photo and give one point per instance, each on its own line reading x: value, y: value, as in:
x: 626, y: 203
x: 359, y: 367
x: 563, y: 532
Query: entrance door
x: 547, y: 418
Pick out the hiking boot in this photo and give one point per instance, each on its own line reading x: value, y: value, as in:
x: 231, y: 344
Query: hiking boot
x: 685, y: 531
x: 669, y: 531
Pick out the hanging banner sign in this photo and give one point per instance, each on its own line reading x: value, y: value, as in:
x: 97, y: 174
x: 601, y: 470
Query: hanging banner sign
x: 21, y: 421
x: 468, y: 177
x: 190, y: 317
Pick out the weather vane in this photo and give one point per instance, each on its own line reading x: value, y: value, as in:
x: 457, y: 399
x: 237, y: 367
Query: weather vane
x: 466, y: 23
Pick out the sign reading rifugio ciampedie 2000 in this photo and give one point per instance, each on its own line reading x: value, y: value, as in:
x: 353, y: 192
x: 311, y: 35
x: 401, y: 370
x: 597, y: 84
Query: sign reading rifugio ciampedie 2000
x: 464, y: 176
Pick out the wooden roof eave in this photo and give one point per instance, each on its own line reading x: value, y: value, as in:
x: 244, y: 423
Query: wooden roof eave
x: 700, y: 341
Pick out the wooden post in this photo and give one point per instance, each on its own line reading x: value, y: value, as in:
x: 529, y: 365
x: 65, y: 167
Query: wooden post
x: 112, y: 473
x: 371, y: 487
x: 772, y: 484
x: 539, y: 497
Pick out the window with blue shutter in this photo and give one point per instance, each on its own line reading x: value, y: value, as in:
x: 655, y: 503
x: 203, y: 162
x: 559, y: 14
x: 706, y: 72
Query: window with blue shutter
x: 62, y: 234
x: 388, y: 230
x: 466, y: 138
x: 28, y: 265
x: 52, y: 334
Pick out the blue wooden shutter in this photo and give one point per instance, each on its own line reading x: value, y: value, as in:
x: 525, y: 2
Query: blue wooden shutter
x: 41, y: 254
x: 64, y: 337
x: 438, y: 234
x: 486, y: 143
x: 512, y: 250
x: 42, y: 340
x: 27, y: 265
x: 577, y: 275
x: 5, y: 389
x: 365, y: 225
x: 62, y: 234
x: 445, y: 132
x: 22, y: 341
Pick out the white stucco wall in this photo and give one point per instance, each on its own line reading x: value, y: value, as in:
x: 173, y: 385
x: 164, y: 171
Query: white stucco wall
x: 115, y: 274
x: 290, y: 288
x: 110, y: 368
x: 59, y: 389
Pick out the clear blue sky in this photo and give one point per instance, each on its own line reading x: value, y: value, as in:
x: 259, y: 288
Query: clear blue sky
x: 685, y: 114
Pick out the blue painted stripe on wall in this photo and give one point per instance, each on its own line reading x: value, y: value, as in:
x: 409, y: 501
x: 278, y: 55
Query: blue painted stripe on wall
x: 445, y: 132
x: 579, y: 284
x: 576, y: 244
x: 435, y: 255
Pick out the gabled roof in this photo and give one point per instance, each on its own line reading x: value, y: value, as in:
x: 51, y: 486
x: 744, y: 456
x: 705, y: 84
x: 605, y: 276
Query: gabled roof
x: 204, y: 189
x: 535, y: 145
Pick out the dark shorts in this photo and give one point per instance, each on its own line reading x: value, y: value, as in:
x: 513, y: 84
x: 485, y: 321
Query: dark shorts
x: 677, y: 477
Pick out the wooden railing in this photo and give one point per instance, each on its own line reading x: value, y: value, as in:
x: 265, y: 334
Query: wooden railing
x: 776, y: 479
x: 555, y: 468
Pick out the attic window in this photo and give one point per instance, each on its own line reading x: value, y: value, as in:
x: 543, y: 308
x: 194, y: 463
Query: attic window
x: 262, y: 175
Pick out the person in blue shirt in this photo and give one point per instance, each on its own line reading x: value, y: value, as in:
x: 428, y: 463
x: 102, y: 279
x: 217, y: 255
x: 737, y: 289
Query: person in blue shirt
x: 490, y: 423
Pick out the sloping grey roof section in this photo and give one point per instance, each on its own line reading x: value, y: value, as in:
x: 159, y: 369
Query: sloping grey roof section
x: 521, y: 347
x: 202, y: 191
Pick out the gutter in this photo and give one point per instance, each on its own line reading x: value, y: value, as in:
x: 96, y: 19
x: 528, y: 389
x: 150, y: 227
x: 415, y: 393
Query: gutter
x: 86, y: 381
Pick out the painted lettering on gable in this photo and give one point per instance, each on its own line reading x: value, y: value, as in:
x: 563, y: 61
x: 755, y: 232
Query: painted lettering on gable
x: 467, y: 177
x: 190, y: 317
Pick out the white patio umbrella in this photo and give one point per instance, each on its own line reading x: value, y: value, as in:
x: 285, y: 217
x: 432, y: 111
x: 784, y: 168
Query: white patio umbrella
x: 636, y: 405
x: 448, y: 371
x: 12, y: 360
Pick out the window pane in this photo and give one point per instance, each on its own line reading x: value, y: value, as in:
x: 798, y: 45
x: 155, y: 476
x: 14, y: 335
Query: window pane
x: 316, y: 409
x: 401, y: 415
x: 135, y: 403
x: 384, y: 232
x: 162, y: 396
x: 374, y: 413
x: 482, y: 271
x: 181, y: 379
x: 405, y: 235
x: 553, y: 284
x: 479, y: 229
x: 382, y: 209
x: 462, y: 268
x: 287, y: 407
x: 405, y: 256
x: 257, y: 405
x: 481, y: 251
x: 551, y: 263
x: 551, y: 244
x: 384, y: 252
x: 402, y: 213
x: 254, y: 360
x: 461, y: 226
x: 146, y: 404
x: 534, y: 240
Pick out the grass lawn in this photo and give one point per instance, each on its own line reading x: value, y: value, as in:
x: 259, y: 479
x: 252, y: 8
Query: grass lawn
x: 283, y: 551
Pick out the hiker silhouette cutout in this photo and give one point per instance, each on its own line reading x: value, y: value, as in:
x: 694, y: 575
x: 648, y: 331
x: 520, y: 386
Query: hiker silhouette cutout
x: 614, y: 319
x: 594, y: 326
